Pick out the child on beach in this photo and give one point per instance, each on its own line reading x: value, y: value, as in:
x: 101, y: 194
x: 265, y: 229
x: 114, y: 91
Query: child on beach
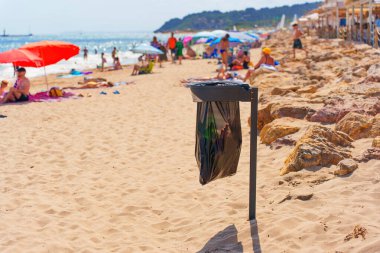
x: 224, y: 47
x: 297, y: 43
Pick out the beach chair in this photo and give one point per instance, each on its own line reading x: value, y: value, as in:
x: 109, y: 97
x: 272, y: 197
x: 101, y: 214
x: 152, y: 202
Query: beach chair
x: 148, y: 69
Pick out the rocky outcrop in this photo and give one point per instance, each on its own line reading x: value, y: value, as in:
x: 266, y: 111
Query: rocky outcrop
x: 284, y: 90
x: 359, y: 126
x: 373, y: 74
x: 275, y: 111
x: 337, y: 107
x: 326, y: 57
x: 273, y: 131
x: 376, y: 142
x: 346, y: 166
x: 370, y: 154
x: 319, y: 146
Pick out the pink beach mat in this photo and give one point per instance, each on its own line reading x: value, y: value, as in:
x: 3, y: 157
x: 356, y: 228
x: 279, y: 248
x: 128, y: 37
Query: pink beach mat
x: 44, y: 97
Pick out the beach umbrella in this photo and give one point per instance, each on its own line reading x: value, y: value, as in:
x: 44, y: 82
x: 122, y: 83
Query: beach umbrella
x: 187, y: 39
x: 146, y: 49
x: 254, y: 35
x: 202, y: 40
x: 22, y: 58
x: 219, y: 33
x: 203, y: 35
x: 52, y: 52
x: 242, y: 36
x: 233, y: 41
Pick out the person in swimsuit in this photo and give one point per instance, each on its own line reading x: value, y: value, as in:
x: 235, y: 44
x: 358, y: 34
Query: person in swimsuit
x: 297, y: 43
x: 114, y: 54
x: 224, y: 47
x: 20, y: 91
x: 85, y: 53
x: 263, y: 66
x: 246, y: 60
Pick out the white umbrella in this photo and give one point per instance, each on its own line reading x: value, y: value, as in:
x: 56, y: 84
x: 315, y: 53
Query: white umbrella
x: 203, y: 34
x: 242, y: 36
x: 219, y: 33
x: 146, y: 49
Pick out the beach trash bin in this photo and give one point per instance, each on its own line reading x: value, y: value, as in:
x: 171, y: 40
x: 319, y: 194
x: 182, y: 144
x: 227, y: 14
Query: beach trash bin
x: 218, y: 128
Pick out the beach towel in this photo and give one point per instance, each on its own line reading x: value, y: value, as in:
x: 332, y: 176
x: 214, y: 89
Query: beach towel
x: 44, y: 97
x: 76, y: 74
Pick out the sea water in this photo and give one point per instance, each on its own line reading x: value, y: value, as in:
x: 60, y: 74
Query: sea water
x: 102, y: 42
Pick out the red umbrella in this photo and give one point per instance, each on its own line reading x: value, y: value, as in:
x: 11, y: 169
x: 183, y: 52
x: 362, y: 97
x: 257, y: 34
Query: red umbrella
x: 52, y: 52
x: 20, y: 57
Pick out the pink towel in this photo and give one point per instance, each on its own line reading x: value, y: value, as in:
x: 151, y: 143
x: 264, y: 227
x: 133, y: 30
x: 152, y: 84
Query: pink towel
x: 44, y: 97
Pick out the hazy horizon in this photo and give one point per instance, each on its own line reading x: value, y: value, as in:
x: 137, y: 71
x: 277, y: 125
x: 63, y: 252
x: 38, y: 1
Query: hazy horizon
x: 70, y: 16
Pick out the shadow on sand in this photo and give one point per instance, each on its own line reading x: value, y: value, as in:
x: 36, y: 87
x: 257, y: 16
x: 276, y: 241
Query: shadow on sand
x: 227, y: 241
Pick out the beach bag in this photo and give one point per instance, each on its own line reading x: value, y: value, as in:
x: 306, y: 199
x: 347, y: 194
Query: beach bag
x: 56, y: 92
x: 218, y: 140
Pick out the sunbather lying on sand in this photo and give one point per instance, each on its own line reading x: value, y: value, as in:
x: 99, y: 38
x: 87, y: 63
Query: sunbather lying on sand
x: 91, y: 79
x: 265, y: 65
x: 95, y: 85
x: 222, y: 75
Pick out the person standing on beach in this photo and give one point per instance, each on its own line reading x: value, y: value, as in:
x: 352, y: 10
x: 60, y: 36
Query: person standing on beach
x: 224, y: 47
x: 85, y: 53
x: 114, y: 54
x: 172, y: 42
x: 179, y: 50
x: 297, y: 43
x: 104, y: 61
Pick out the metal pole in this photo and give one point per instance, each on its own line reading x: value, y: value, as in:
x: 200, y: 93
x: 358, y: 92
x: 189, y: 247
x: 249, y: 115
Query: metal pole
x: 46, y: 80
x: 361, y: 23
x: 353, y: 23
x: 337, y: 21
x: 370, y: 23
x: 253, y: 153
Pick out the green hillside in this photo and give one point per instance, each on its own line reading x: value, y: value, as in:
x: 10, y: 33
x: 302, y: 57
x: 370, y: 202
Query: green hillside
x: 211, y: 20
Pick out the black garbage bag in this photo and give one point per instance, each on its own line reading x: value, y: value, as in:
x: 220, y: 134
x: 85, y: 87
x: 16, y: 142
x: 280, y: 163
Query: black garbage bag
x: 218, y: 140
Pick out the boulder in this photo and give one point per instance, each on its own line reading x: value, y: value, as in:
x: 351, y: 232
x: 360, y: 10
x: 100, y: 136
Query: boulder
x: 274, y: 111
x: 346, y: 166
x: 356, y: 125
x: 336, y: 108
x: 284, y: 90
x: 281, y: 142
x: 373, y: 74
x: 370, y: 154
x: 288, y: 110
x: 319, y: 146
x: 360, y: 72
x: 307, y: 89
x: 273, y: 131
x: 376, y: 142
x: 326, y: 57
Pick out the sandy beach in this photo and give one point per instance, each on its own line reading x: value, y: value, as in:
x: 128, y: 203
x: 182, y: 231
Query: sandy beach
x: 117, y: 173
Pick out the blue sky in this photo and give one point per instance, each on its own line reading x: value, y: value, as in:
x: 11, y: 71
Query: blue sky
x: 57, y: 16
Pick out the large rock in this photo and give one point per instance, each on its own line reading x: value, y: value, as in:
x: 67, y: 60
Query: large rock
x: 346, y: 166
x: 273, y: 131
x: 356, y: 125
x: 284, y: 90
x: 337, y: 107
x: 319, y: 146
x: 373, y: 74
x: 288, y: 110
x: 274, y: 111
x: 376, y: 142
x: 369, y: 154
